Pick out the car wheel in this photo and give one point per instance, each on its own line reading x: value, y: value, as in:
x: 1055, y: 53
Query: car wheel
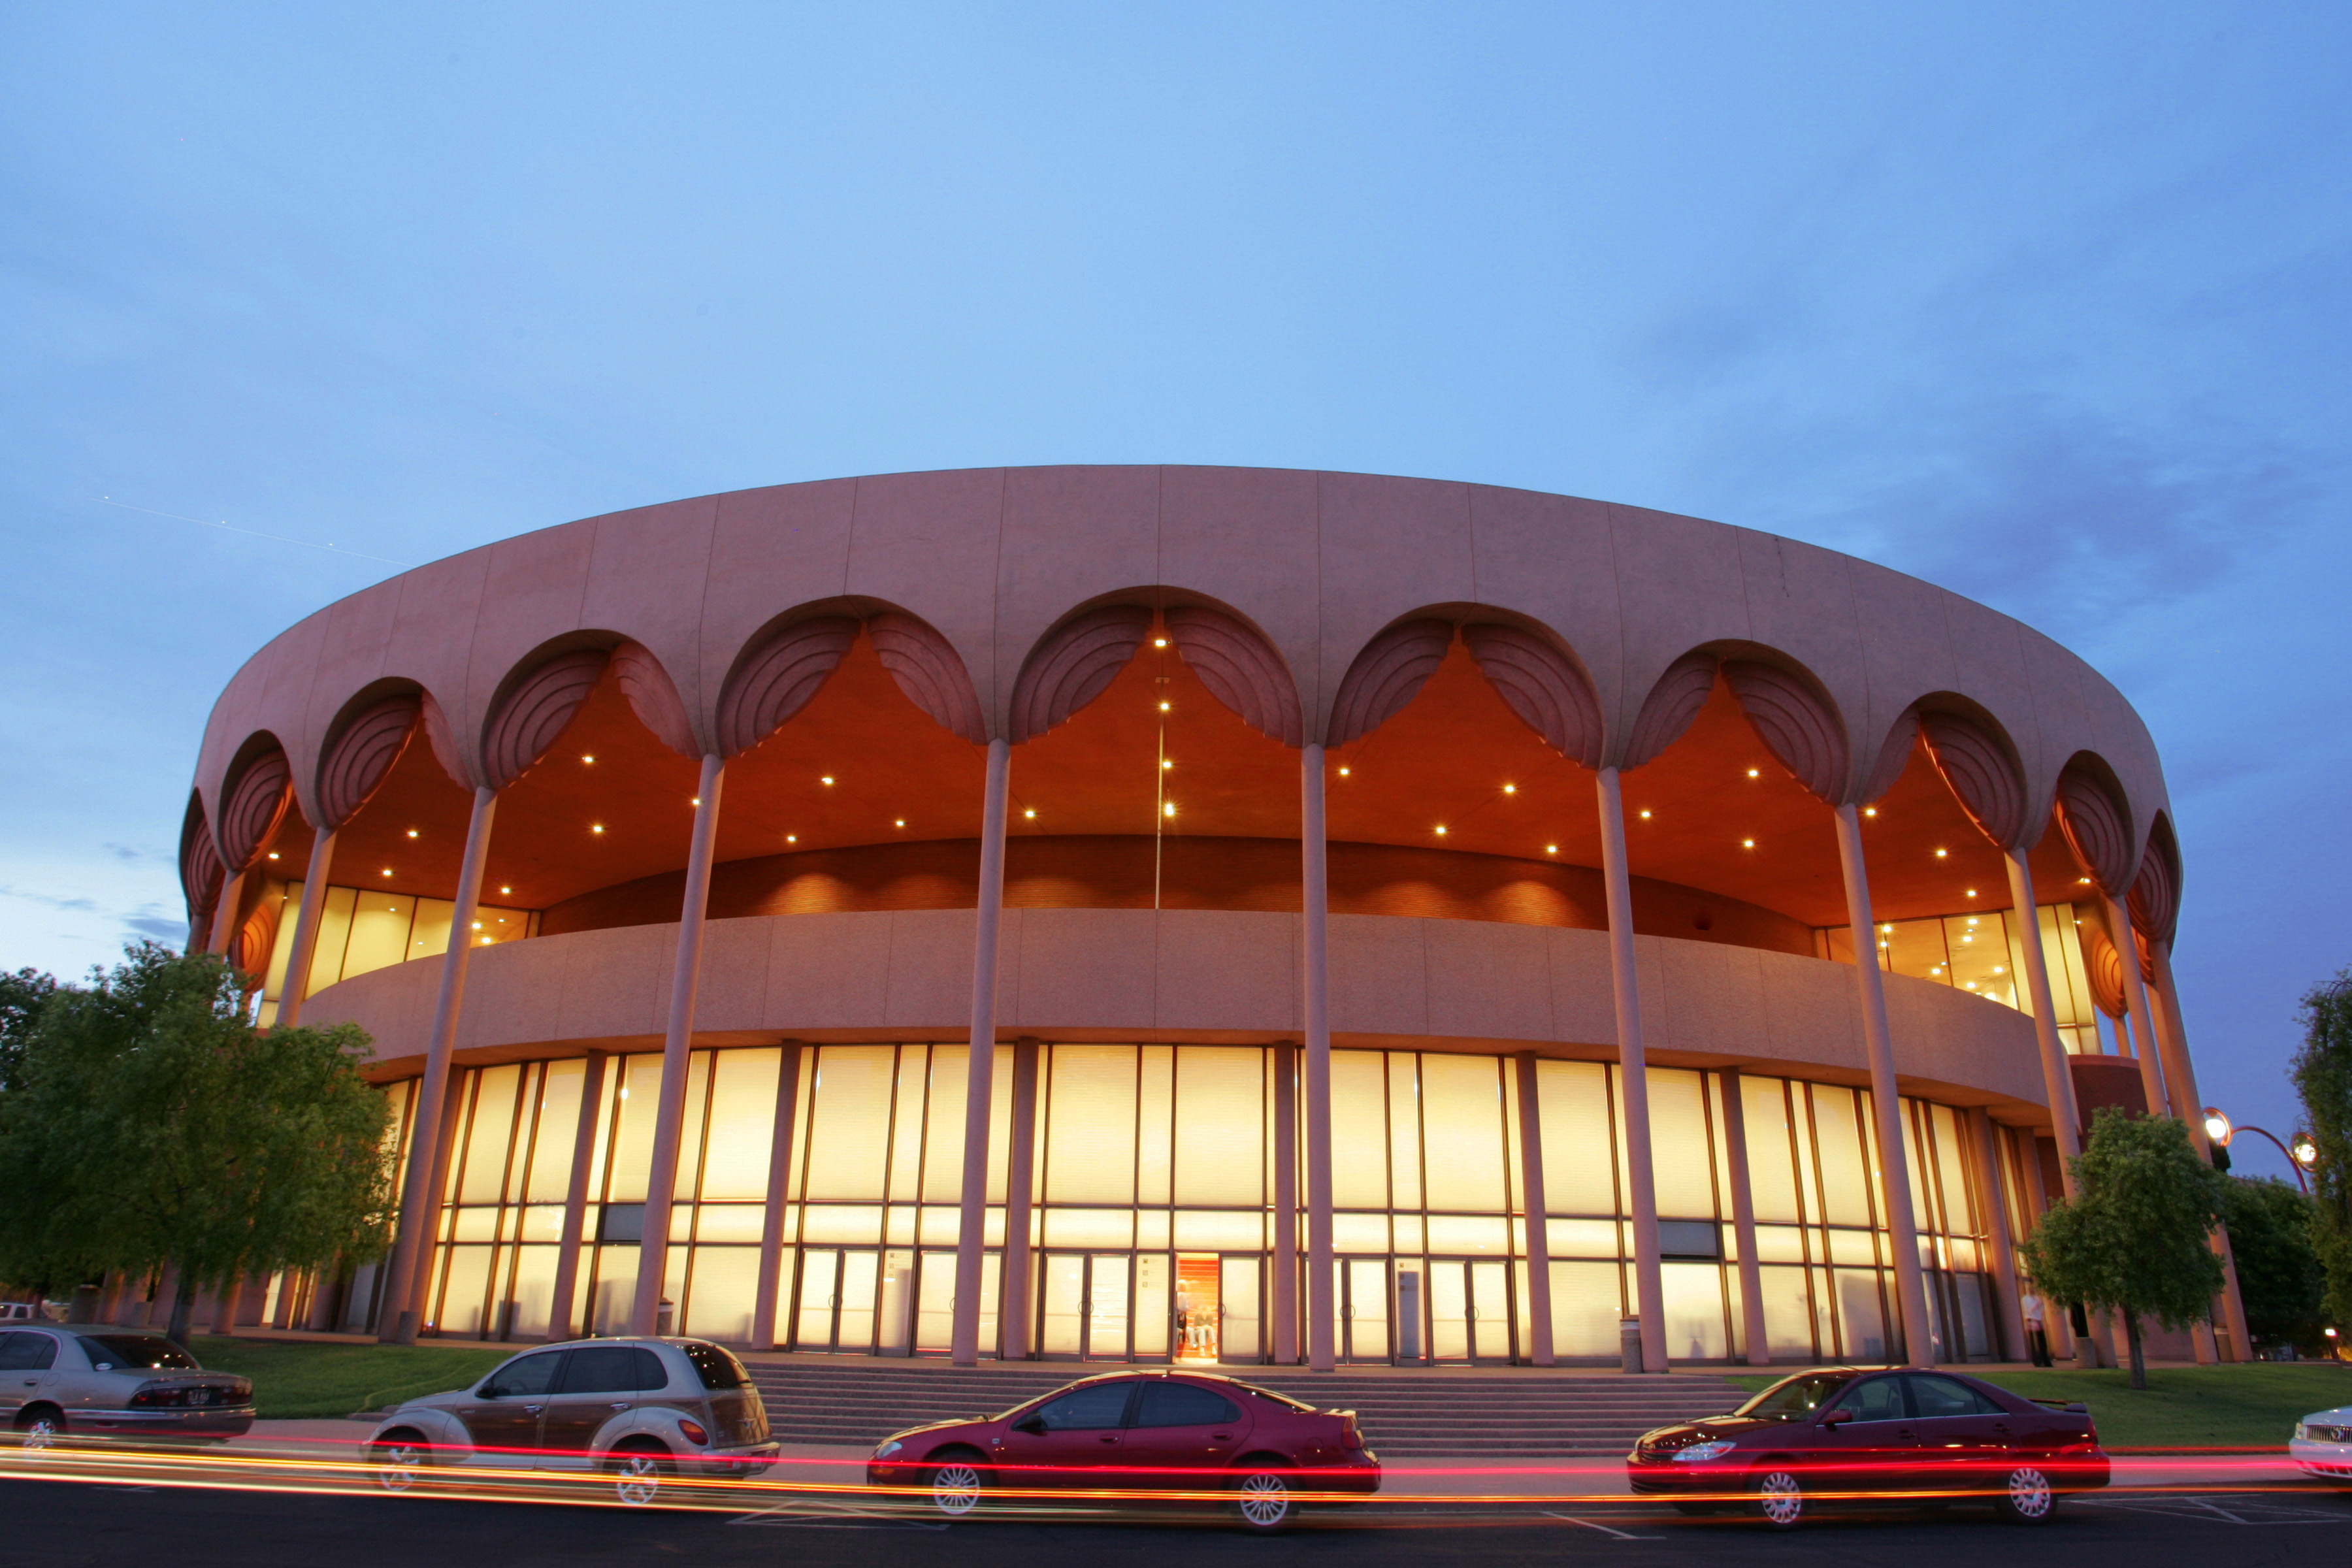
x: 1779, y: 1498
x: 957, y: 1483
x: 637, y: 1474
x: 2027, y: 1498
x: 1261, y: 1500
x: 401, y: 1460
x: 39, y: 1428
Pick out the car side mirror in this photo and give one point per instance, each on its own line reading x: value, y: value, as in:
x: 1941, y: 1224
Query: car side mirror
x: 1033, y: 1425
x: 1836, y: 1417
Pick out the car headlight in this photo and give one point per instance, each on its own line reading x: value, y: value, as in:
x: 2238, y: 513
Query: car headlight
x: 2302, y: 1432
x: 889, y: 1448
x: 1699, y: 1452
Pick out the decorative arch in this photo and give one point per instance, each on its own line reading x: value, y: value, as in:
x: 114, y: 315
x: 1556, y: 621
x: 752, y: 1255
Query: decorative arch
x: 532, y: 712
x: 653, y: 697
x: 1387, y: 674
x: 201, y: 871
x: 1980, y: 765
x: 1240, y: 667
x: 364, y: 745
x: 1797, y: 722
x: 257, y: 800
x: 779, y: 673
x: 930, y: 671
x: 2156, y: 889
x: 1543, y: 684
x: 249, y: 950
x: 2103, y: 966
x: 1894, y: 756
x: 1072, y: 664
x: 1670, y: 709
x: 2091, y: 814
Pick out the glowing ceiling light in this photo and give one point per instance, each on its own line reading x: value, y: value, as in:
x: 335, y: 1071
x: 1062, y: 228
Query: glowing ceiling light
x: 1870, y: 811
x: 1170, y: 810
x: 1030, y: 812
x: 1972, y: 892
x: 1754, y: 774
x: 598, y: 828
x: 1441, y: 830
x: 1747, y: 844
x: 273, y: 854
x: 696, y: 801
x: 477, y: 925
x: 1943, y: 854
x: 1159, y: 642
x: 1343, y: 772
x: 825, y: 780
x: 1551, y: 849
x: 1646, y: 817
x: 1166, y: 763
x: 411, y: 833
x: 505, y: 889
x: 587, y: 759
x: 2085, y: 881
x: 1972, y: 919
x: 2000, y: 969
x: 902, y: 822
x: 387, y: 870
x: 1164, y: 706
x: 1510, y: 789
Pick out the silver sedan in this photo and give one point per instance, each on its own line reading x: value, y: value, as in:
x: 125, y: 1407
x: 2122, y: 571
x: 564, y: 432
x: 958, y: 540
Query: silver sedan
x: 86, y: 1380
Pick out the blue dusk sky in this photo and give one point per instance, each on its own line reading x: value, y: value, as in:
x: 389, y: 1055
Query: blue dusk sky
x: 2045, y: 304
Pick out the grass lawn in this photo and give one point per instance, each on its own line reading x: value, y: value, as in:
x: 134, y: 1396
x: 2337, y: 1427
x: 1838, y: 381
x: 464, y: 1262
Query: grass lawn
x: 2249, y: 1406
x: 293, y: 1378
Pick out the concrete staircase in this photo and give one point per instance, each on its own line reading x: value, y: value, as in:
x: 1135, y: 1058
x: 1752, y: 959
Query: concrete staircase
x: 856, y: 1403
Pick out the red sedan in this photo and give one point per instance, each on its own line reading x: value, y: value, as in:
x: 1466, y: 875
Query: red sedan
x: 1135, y: 1433
x: 1860, y: 1435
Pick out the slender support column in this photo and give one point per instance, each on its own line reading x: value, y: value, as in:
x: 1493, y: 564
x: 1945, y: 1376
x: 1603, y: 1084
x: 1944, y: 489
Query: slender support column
x: 2055, y: 1319
x: 769, y: 1295
x: 1758, y: 1341
x: 1286, y: 1204
x: 296, y: 986
x: 2180, y: 1073
x: 1531, y: 1184
x: 2057, y: 1076
x: 224, y: 927
x: 2007, y: 1312
x: 1020, y: 1174
x: 980, y: 1082
x: 1633, y: 1071
x: 1315, y: 889
x: 2143, y: 1038
x: 413, y: 1249
x: 1894, y: 1163
x: 678, y: 1051
x: 560, y: 1323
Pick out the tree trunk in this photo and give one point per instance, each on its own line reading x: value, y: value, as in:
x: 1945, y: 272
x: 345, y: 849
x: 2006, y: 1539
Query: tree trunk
x: 183, y: 1305
x: 2138, y: 1361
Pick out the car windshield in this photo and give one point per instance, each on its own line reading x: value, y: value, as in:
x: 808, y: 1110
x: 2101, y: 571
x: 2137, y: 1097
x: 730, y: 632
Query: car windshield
x: 146, y: 1351
x: 1797, y: 1398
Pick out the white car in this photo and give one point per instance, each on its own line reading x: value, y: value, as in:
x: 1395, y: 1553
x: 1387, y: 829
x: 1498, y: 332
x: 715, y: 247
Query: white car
x: 638, y: 1410
x: 2323, y: 1443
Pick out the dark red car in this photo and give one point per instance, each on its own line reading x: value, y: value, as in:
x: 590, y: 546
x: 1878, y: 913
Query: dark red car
x: 1848, y: 1434
x: 1136, y: 1432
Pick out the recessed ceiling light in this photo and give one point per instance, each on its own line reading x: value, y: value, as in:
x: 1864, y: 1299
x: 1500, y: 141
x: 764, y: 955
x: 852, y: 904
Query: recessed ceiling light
x: 1747, y: 844
x: 597, y: 827
x: 1510, y: 789
x: 1551, y: 849
x: 1159, y: 642
x: 1166, y: 763
x: 825, y: 780
x: 1170, y: 810
x: 791, y: 838
x: 1646, y: 817
x: 1870, y: 811
x: 387, y: 870
x: 411, y: 833
x: 1753, y: 773
x: 1943, y: 854
x: 1030, y: 811
x: 273, y: 854
x: 587, y: 759
x: 1164, y: 706
x: 1343, y: 772
x: 696, y: 801
x: 505, y: 889
x: 1972, y: 892
x: 1441, y: 830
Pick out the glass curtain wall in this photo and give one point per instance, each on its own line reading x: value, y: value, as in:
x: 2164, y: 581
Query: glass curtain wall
x: 1984, y: 953
x: 1152, y: 1231
x: 360, y: 930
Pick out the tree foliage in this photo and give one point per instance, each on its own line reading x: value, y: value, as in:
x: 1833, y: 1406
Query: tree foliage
x: 2134, y: 1239
x: 154, y: 1125
x: 2323, y: 1076
x: 23, y: 996
x: 2279, y: 1274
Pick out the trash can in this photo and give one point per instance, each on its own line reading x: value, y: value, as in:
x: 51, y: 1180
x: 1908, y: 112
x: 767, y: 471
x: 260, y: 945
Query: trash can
x: 1628, y: 1344
x: 664, y: 1315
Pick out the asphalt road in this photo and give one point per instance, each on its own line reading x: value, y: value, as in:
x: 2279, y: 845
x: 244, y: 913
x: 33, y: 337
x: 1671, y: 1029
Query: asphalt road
x: 61, y: 1524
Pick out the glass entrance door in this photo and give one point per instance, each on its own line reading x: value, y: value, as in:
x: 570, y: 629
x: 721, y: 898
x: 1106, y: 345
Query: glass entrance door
x: 1240, y: 1331
x: 1364, y: 1309
x: 834, y: 1309
x: 1469, y: 1309
x: 1084, y: 1306
x: 1200, y: 1308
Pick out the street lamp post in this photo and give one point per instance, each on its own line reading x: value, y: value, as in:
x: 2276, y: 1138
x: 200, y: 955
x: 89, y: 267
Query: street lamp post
x: 2302, y: 1154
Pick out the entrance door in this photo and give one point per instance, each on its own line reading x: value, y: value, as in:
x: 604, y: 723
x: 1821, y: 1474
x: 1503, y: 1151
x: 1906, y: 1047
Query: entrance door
x: 1200, y: 1308
x: 1364, y: 1309
x: 835, y: 1311
x: 1240, y: 1332
x: 1469, y: 1309
x: 1084, y: 1306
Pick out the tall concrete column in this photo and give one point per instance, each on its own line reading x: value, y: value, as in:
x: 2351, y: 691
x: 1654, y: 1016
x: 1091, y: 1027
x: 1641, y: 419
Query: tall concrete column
x: 1634, y: 1072
x: 2057, y: 1076
x: 2180, y: 1074
x: 1759, y: 1343
x: 1990, y: 1193
x: 1531, y: 1183
x: 1894, y: 1163
x: 770, y: 1292
x: 296, y: 986
x: 412, y: 1252
x: 2055, y: 1319
x: 1020, y: 1179
x: 980, y: 1081
x: 223, y: 929
x: 1315, y: 903
x: 560, y: 1323
x: 678, y: 1051
x: 2143, y: 1038
x: 1286, y: 1204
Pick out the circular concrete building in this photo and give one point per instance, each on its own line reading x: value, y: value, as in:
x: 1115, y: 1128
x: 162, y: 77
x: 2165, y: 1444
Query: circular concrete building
x: 1401, y: 921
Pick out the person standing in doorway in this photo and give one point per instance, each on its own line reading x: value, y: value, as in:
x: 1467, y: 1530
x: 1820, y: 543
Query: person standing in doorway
x: 2037, y: 1336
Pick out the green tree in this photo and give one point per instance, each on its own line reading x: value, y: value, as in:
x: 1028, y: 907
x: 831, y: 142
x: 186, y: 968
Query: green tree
x: 154, y: 1125
x: 2271, y: 1227
x: 23, y: 996
x: 2134, y: 1240
x: 2323, y: 1076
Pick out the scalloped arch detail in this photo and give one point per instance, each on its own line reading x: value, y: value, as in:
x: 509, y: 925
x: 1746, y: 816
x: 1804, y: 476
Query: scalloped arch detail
x: 2104, y: 967
x: 363, y: 755
x: 1669, y: 709
x: 248, y: 950
x: 1894, y: 756
x: 2155, y: 891
x: 533, y: 715
x: 2093, y: 821
x: 1240, y: 668
x: 201, y: 871
x: 256, y: 807
x: 1388, y: 673
x: 1795, y: 723
x: 1071, y: 665
x: 653, y: 698
x: 1542, y: 685
x: 930, y: 671
x: 1981, y: 774
x: 778, y: 677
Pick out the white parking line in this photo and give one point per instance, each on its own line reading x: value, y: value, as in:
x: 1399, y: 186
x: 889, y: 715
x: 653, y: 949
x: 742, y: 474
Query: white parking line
x: 814, y: 1515
x: 1614, y: 1534
x: 2227, y: 1509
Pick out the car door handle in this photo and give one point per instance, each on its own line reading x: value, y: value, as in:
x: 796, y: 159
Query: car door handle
x: 532, y: 1409
x: 620, y: 1405
x: 1221, y: 1436
x: 1106, y: 1439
